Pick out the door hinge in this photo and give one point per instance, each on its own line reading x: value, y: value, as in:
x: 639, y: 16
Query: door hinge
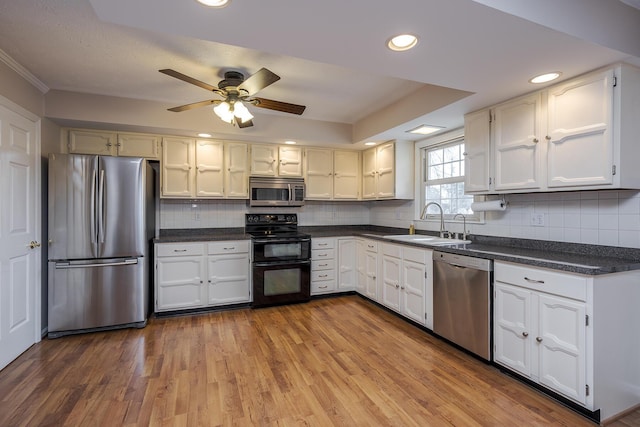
x: 613, y: 170
x: 490, y: 117
x: 490, y: 180
x: 586, y: 320
x: 615, y: 81
x: 425, y: 275
x: 586, y: 390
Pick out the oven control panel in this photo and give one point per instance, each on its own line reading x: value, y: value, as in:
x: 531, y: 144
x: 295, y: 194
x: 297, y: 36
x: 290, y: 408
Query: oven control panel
x: 273, y: 219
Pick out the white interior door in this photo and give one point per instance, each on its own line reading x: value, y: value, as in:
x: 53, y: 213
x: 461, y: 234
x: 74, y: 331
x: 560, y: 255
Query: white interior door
x: 19, y: 227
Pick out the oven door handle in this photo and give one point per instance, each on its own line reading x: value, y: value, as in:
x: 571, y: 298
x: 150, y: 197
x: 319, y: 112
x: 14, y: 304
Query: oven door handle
x: 281, y: 264
x: 275, y: 241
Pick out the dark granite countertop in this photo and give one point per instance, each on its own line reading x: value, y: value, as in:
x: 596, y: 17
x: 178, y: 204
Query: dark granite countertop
x: 570, y: 257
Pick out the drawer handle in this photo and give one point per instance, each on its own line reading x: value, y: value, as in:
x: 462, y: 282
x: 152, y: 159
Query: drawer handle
x: 323, y: 275
x: 322, y: 265
x: 533, y: 280
x: 539, y: 339
x: 322, y: 244
x: 323, y: 287
x: 525, y: 334
x: 322, y: 254
x: 179, y: 250
x: 229, y: 249
x: 370, y: 246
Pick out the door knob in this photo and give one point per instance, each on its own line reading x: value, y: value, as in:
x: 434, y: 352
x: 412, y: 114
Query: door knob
x: 33, y: 244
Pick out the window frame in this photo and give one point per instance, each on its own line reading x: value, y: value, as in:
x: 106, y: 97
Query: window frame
x: 421, y: 150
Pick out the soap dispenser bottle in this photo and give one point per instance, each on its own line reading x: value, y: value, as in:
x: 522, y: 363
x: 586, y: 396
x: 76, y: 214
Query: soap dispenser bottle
x: 412, y: 229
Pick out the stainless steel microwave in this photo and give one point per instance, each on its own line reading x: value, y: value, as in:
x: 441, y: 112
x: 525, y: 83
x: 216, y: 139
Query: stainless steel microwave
x: 268, y: 191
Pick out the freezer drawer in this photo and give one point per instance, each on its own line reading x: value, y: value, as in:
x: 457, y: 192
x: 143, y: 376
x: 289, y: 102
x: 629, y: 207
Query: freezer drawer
x: 90, y: 294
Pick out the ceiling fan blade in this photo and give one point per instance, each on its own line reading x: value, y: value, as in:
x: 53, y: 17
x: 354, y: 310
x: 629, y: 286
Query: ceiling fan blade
x: 245, y: 124
x: 258, y: 81
x: 194, y: 105
x: 285, y: 107
x: 191, y: 80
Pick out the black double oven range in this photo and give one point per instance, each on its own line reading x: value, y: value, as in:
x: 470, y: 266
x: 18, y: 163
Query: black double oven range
x: 281, y: 261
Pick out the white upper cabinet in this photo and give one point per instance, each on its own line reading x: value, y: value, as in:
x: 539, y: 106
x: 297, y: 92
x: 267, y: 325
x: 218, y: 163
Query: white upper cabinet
x: 84, y: 141
x: 576, y: 135
x: 517, y: 130
x: 290, y: 161
x: 203, y: 168
x: 331, y: 174
x: 274, y: 160
x: 387, y: 171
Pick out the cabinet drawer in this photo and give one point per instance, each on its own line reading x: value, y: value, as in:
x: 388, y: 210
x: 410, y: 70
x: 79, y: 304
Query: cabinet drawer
x: 179, y: 249
x: 371, y: 245
x: 323, y: 286
x: 319, y: 254
x: 328, y: 264
x: 323, y: 243
x: 228, y: 247
x: 414, y: 254
x: 323, y: 275
x: 392, y: 250
x: 543, y: 280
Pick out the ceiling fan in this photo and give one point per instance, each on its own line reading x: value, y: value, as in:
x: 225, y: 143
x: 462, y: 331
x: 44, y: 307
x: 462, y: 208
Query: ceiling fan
x: 236, y: 90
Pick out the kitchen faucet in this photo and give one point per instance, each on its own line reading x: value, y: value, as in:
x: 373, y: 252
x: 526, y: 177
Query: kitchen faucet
x: 424, y: 213
x: 464, y: 225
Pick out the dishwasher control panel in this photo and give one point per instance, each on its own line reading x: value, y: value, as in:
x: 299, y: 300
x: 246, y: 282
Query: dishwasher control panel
x: 463, y: 261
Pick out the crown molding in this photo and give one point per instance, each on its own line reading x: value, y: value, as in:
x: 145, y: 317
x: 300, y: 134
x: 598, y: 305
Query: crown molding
x: 23, y: 72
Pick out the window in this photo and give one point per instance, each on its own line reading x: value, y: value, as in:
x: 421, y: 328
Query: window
x: 443, y: 180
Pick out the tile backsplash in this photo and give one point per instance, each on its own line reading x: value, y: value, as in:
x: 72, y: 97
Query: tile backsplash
x: 610, y: 218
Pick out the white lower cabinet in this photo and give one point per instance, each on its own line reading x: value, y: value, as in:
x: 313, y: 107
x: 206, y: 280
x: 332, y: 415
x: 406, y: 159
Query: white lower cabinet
x: 405, y: 281
x: 188, y: 276
x: 367, y: 260
x: 571, y: 333
x: 323, y: 265
x: 347, y: 264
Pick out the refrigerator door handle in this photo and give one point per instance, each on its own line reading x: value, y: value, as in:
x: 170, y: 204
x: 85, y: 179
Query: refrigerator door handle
x: 101, y: 208
x: 66, y: 265
x: 93, y: 219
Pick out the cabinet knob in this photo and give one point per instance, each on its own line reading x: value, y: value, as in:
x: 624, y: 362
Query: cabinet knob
x: 402, y: 287
x: 33, y: 244
x: 525, y: 334
x: 536, y: 140
x: 548, y: 138
x: 465, y: 154
x: 539, y: 339
x: 397, y: 286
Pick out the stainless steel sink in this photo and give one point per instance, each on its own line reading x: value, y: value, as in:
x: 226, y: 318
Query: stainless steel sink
x: 426, y: 240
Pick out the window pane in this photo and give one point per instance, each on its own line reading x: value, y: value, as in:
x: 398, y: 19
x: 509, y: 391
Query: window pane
x: 452, y: 153
x: 435, y: 157
x: 435, y: 172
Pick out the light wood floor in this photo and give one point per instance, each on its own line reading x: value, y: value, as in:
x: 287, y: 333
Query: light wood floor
x: 332, y: 362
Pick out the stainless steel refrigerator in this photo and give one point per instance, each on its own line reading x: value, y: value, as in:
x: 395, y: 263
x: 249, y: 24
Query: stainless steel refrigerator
x: 101, y: 221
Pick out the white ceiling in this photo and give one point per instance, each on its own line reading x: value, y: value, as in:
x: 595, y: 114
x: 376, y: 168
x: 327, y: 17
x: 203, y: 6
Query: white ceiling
x: 330, y: 54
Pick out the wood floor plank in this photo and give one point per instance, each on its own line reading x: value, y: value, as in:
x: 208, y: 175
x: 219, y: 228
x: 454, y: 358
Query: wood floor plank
x: 332, y: 362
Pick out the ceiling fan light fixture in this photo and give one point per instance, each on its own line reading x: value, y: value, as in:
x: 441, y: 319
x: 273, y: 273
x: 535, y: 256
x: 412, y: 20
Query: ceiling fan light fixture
x: 402, y: 42
x: 214, y: 3
x: 544, y: 78
x: 241, y: 112
x: 223, y: 110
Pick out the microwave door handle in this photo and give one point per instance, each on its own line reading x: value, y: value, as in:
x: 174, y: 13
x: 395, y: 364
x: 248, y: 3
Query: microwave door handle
x: 290, y: 194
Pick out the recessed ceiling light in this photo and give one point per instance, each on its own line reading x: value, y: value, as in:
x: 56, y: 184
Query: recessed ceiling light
x: 214, y: 3
x: 543, y: 78
x: 290, y: 142
x: 425, y: 129
x: 370, y: 143
x: 402, y: 42
x: 204, y: 135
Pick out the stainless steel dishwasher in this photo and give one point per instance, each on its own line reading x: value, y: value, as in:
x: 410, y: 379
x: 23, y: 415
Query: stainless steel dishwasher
x: 462, y: 301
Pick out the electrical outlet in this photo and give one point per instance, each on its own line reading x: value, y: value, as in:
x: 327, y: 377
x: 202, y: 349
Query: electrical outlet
x: 537, y: 220
x: 196, y: 216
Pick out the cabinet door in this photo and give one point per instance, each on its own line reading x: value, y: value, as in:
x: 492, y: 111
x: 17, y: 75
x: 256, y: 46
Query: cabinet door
x: 236, y: 176
x: 319, y: 173
x: 139, y: 145
x: 228, y: 279
x: 177, y: 175
x: 518, y: 135
x: 371, y: 271
x: 513, y: 328
x: 580, y: 116
x: 477, y: 150
x: 413, y: 290
x: 391, y: 282
x: 369, y: 174
x: 264, y: 159
x: 92, y: 142
x: 179, y: 283
x: 209, y: 168
x: 561, y: 344
x: 347, y: 264
x: 361, y: 263
x: 290, y: 163
x: 346, y: 174
x: 385, y: 165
